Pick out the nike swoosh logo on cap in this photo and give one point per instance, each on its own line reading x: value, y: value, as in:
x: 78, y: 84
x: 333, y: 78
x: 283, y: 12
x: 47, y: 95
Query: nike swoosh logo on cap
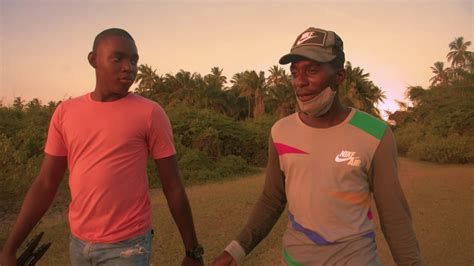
x: 302, y: 40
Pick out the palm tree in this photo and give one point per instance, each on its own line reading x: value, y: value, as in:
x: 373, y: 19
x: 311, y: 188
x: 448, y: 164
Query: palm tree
x: 402, y: 106
x: 470, y: 62
x: 241, y: 84
x: 184, y: 87
x: 214, y: 93
x: 277, y: 74
x: 441, y: 74
x: 459, y: 54
x: 146, y: 77
x: 216, y: 79
x: 415, y: 94
x: 33, y: 105
x: 235, y: 106
x: 149, y: 83
x: 281, y: 96
x: 251, y: 86
x: 18, y: 104
x: 360, y: 92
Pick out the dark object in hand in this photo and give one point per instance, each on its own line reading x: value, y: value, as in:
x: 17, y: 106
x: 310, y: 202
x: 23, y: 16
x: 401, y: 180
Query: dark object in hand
x: 31, y: 254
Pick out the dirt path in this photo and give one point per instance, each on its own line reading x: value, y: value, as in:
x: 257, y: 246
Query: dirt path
x: 440, y: 197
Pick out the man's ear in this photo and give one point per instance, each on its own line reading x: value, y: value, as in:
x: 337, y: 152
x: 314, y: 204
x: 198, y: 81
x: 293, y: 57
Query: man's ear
x: 340, y: 76
x: 92, y: 59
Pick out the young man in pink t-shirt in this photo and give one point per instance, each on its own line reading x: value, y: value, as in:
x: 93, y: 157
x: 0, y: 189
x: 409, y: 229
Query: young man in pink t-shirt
x: 105, y: 138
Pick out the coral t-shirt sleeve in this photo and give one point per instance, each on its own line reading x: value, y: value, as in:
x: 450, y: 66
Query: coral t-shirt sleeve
x: 55, y: 144
x: 160, y: 138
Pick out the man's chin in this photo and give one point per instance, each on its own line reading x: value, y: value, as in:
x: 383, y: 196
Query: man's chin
x: 123, y: 87
x: 125, y: 83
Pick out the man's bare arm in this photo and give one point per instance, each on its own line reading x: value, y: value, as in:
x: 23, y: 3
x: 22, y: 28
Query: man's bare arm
x: 36, y: 203
x: 177, y: 202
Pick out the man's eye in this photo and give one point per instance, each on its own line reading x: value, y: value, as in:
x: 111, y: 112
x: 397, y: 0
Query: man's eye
x: 312, y: 70
x: 116, y: 59
x: 134, y: 62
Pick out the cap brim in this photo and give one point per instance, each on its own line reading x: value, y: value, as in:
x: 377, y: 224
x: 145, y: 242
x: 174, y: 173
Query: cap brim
x: 290, y: 58
x: 306, y: 53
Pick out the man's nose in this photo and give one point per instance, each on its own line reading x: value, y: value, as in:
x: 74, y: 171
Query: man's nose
x: 126, y: 65
x: 300, y: 80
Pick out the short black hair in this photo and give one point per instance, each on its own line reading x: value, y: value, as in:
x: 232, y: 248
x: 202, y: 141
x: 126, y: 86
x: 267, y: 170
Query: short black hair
x: 110, y: 32
x: 338, y: 49
x: 338, y: 62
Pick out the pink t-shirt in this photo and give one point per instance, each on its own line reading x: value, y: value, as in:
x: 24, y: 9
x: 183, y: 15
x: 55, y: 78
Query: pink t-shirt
x: 107, y: 145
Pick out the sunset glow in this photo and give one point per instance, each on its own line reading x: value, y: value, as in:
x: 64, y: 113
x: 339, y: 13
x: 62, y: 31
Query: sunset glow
x: 44, y: 43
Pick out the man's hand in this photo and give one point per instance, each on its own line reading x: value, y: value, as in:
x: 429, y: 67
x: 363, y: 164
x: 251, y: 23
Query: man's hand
x: 7, y: 258
x: 225, y: 259
x: 187, y: 261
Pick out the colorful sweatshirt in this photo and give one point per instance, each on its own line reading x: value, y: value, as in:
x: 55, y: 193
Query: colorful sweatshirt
x: 327, y: 176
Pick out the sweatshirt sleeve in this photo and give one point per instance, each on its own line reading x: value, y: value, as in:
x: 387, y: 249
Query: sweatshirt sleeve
x: 394, y: 213
x: 266, y: 211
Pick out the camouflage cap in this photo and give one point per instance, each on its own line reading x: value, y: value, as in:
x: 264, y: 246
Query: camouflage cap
x: 315, y: 44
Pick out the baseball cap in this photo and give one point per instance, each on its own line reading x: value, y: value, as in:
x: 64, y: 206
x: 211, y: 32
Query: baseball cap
x: 315, y: 44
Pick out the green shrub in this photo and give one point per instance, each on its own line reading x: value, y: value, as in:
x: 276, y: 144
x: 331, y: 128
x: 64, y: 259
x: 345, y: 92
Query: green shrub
x: 232, y: 165
x: 208, y: 142
x: 407, y: 136
x: 196, y: 167
x: 453, y: 149
x: 218, y: 135
x: 257, y: 148
x: 439, y: 127
x: 17, y: 172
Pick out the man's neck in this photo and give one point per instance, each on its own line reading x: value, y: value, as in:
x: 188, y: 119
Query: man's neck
x: 336, y: 115
x: 101, y: 96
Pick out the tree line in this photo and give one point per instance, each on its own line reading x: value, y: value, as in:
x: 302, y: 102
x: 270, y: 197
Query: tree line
x: 249, y: 94
x: 438, y: 125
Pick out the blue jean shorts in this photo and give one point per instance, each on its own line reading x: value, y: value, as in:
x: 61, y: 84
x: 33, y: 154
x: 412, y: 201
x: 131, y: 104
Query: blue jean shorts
x: 134, y: 251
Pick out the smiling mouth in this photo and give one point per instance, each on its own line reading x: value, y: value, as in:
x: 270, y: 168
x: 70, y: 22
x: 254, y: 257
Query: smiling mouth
x: 306, y: 97
x: 126, y: 80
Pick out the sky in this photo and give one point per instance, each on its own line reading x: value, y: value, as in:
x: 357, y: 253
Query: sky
x: 44, y: 44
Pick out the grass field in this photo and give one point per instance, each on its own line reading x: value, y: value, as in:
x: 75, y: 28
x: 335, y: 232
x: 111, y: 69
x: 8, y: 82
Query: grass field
x: 440, y: 197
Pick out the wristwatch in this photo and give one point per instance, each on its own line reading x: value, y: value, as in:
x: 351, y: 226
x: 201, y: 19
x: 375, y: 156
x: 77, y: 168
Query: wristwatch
x: 196, y: 253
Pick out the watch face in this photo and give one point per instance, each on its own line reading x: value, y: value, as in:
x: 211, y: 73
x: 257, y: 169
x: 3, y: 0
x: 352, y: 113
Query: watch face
x: 199, y: 251
x: 196, y: 253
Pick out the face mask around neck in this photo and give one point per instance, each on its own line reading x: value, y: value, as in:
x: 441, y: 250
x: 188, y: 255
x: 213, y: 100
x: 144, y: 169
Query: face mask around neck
x: 319, y: 105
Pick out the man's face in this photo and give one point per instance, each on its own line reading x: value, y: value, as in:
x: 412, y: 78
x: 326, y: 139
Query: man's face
x: 115, y: 61
x: 309, y: 78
